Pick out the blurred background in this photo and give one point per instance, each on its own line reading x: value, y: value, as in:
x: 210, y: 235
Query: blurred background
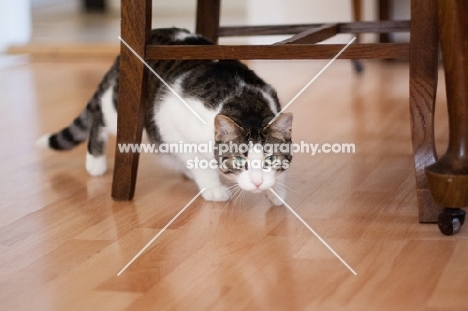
x: 38, y: 26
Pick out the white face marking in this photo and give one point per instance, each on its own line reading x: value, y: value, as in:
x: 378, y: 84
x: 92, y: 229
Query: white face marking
x: 255, y: 178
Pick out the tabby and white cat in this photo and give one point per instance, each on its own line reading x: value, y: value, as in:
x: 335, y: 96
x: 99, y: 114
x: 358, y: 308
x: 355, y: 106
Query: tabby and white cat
x: 232, y: 99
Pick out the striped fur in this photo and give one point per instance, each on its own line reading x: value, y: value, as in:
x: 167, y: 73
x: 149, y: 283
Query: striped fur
x: 225, y: 88
x: 87, y: 124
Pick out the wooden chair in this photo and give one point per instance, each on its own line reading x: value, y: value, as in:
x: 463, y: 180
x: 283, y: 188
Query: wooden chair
x: 447, y: 179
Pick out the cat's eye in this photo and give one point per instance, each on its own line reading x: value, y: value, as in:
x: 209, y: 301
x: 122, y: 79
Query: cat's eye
x: 270, y: 160
x: 239, y: 162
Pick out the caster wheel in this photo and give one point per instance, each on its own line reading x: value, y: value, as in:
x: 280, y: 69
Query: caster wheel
x: 451, y: 220
x: 358, y: 66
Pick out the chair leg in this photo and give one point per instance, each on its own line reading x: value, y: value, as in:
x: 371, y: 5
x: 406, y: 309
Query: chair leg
x: 208, y: 12
x: 384, y: 15
x: 357, y: 16
x: 423, y: 87
x: 135, y: 30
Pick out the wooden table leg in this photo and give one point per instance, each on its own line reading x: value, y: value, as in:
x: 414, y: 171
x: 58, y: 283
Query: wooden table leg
x: 423, y: 86
x: 135, y: 30
x: 448, y: 177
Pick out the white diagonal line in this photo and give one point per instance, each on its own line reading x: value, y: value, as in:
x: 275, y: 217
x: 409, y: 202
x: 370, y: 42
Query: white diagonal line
x: 313, y: 231
x: 313, y: 79
x: 160, y: 232
x: 162, y: 80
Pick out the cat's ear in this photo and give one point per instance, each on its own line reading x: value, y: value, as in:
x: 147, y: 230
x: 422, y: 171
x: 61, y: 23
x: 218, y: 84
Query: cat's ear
x: 281, y: 127
x: 226, y: 129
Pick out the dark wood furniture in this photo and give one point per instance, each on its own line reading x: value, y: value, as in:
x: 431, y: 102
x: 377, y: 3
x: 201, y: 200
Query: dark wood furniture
x: 94, y: 5
x: 384, y: 15
x: 446, y: 178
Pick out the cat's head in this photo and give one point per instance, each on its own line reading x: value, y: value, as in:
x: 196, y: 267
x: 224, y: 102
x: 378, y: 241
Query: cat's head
x: 253, y: 157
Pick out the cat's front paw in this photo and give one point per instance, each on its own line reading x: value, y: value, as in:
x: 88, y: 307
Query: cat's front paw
x: 218, y: 194
x: 273, y: 198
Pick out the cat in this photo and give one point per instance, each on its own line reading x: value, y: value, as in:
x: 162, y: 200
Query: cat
x: 236, y: 104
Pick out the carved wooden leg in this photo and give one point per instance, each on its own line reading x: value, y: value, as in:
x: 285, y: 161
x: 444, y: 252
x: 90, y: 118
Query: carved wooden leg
x: 208, y: 18
x: 423, y: 86
x: 135, y: 30
x: 448, y: 177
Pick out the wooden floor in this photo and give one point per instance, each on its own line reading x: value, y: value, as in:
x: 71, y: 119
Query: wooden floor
x: 63, y: 240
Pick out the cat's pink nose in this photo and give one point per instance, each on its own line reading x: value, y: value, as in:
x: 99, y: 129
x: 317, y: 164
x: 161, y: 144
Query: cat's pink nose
x: 257, y: 184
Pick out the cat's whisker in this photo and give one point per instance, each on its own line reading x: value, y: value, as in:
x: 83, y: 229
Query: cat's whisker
x: 237, y: 189
x: 234, y: 199
x: 265, y: 203
x: 244, y: 195
x: 292, y: 181
x: 233, y: 186
x: 287, y: 187
x: 239, y: 200
x: 232, y: 196
x: 241, y: 191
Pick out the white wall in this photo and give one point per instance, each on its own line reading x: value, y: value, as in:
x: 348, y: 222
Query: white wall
x: 15, y: 23
x: 306, y: 11
x: 43, y: 3
x: 183, y: 7
x: 401, y: 11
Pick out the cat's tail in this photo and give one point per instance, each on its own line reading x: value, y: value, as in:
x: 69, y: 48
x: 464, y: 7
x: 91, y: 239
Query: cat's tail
x: 81, y: 127
x: 70, y: 136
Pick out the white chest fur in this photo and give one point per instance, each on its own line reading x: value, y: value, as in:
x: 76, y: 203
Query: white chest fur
x: 177, y: 123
